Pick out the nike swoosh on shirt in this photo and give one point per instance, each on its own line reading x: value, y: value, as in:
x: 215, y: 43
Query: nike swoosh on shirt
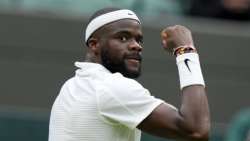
x: 186, y: 63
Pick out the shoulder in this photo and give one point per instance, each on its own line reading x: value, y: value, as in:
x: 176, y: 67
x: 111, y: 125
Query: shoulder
x: 118, y: 82
x: 122, y: 89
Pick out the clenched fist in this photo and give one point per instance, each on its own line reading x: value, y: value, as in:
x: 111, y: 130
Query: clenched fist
x: 176, y: 36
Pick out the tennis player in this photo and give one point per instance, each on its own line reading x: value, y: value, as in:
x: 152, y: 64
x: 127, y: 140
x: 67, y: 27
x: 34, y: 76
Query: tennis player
x: 103, y: 102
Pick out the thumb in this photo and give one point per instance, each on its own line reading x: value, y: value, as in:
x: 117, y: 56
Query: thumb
x: 164, y: 37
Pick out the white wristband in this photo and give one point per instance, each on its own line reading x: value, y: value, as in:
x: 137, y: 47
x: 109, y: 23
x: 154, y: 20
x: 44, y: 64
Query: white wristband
x: 189, y: 70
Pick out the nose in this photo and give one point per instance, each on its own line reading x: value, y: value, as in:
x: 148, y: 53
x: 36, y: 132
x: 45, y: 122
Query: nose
x: 135, y: 46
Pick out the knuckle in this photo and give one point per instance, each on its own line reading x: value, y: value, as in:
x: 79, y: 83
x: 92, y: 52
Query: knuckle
x: 178, y: 26
x: 181, y: 27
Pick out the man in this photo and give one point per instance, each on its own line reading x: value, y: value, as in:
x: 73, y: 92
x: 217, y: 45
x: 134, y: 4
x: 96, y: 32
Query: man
x: 103, y: 103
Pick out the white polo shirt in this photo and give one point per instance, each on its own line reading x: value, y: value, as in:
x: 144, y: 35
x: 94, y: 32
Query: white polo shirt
x: 97, y: 105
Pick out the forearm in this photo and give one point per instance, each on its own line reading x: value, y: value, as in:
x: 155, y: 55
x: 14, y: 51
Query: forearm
x: 194, y: 111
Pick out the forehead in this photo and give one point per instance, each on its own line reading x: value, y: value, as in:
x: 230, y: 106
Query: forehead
x: 124, y: 24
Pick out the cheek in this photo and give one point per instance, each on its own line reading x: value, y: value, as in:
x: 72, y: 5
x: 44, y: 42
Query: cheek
x: 117, y: 50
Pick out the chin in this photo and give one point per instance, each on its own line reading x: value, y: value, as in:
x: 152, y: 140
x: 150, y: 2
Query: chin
x: 133, y: 76
x: 132, y: 73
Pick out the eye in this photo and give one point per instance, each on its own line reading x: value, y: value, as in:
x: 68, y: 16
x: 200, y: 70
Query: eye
x: 123, y: 38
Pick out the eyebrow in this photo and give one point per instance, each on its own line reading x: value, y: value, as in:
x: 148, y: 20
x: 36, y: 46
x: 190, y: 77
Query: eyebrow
x: 128, y: 33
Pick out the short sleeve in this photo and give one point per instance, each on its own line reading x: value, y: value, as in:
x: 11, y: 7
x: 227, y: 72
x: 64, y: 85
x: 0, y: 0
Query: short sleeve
x: 125, y: 101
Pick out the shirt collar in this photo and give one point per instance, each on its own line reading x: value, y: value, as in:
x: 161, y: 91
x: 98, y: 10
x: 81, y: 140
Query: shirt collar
x: 90, y: 66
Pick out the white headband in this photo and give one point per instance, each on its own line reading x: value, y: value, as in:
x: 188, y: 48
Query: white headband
x: 108, y: 18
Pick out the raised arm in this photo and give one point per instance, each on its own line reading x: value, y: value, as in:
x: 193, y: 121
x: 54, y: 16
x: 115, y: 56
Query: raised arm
x: 192, y: 120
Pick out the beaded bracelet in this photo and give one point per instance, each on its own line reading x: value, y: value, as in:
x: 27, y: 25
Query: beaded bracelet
x: 183, y: 49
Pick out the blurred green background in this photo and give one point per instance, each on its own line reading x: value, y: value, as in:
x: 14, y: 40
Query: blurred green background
x: 40, y: 41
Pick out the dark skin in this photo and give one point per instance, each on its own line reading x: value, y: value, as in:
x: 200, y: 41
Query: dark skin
x: 192, y: 120
x: 121, y: 42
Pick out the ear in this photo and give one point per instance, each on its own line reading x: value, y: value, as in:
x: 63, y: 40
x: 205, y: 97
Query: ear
x: 94, y: 45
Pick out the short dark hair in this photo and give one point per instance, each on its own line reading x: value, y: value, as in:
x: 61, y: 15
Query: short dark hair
x: 101, y: 12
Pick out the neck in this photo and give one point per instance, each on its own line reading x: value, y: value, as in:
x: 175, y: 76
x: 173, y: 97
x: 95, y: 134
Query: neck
x: 91, y: 58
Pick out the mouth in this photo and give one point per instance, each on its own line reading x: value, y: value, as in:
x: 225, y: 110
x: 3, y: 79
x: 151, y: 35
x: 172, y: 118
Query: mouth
x: 133, y: 64
x: 133, y: 60
x: 134, y: 57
